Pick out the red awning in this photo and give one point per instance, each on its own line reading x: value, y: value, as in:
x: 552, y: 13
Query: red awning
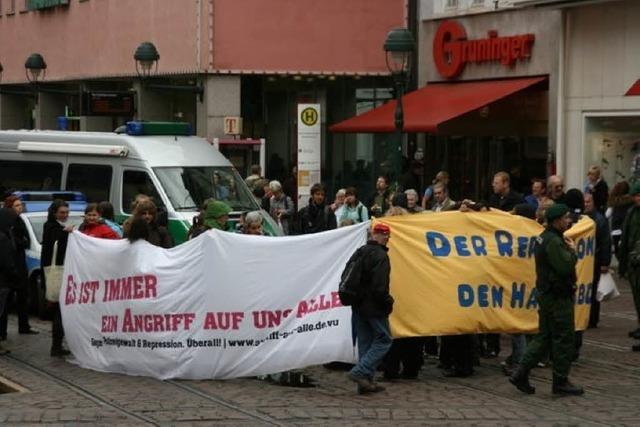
x: 634, y: 90
x: 436, y: 103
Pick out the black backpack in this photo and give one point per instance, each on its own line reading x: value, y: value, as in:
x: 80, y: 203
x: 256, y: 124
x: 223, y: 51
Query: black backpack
x: 349, y: 290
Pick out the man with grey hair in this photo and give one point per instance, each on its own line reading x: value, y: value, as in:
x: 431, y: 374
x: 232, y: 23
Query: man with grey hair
x: 281, y: 206
x: 555, y: 189
x: 412, y: 201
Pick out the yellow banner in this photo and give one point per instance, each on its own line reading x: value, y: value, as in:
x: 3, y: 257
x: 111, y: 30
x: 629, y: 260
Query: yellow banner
x: 456, y: 273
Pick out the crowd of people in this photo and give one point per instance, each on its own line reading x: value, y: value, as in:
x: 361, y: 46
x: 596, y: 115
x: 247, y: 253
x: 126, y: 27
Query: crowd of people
x: 616, y: 215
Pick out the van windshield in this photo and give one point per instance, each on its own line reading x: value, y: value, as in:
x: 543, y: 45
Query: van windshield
x: 188, y: 187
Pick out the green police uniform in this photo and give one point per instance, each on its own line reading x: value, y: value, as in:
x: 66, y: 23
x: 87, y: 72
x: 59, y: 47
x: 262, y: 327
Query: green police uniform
x: 555, y: 287
x: 629, y: 252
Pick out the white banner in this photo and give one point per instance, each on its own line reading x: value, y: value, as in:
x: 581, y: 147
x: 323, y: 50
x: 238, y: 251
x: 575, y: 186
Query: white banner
x: 309, y: 150
x: 220, y: 306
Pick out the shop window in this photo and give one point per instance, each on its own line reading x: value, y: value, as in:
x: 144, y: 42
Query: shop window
x: 451, y: 4
x: 613, y: 143
x: 92, y: 180
x: 29, y: 176
x: 138, y: 182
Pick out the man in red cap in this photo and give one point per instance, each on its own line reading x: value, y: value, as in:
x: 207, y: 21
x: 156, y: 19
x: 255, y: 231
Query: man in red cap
x: 371, y: 312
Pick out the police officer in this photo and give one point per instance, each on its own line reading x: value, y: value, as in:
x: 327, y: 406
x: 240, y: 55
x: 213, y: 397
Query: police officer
x: 555, y: 285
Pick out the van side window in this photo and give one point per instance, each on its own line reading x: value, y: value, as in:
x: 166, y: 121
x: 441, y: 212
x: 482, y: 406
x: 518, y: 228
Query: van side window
x: 29, y: 176
x: 93, y: 180
x: 138, y: 182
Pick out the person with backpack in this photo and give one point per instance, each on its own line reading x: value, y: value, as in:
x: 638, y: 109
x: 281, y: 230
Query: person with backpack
x: 316, y: 216
x: 365, y: 286
x: 354, y: 211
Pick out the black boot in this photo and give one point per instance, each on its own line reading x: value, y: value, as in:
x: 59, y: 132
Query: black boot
x: 520, y: 379
x: 635, y: 334
x: 564, y: 387
x: 57, y: 350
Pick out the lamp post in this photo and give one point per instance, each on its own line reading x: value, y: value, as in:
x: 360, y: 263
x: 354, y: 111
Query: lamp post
x: 147, y: 58
x: 35, y: 68
x: 399, y: 47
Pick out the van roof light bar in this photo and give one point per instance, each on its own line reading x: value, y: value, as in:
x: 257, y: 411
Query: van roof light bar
x: 67, y: 148
x: 138, y: 128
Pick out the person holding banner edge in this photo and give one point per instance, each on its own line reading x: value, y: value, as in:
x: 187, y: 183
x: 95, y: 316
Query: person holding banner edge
x: 371, y: 312
x: 556, y: 260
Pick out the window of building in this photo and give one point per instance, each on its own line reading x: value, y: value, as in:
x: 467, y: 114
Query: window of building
x: 477, y: 3
x: 138, y: 182
x: 29, y: 176
x: 612, y: 142
x: 11, y: 8
x: 451, y: 4
x: 92, y: 180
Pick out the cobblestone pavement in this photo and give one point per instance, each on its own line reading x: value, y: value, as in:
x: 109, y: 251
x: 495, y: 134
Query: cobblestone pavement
x: 59, y: 393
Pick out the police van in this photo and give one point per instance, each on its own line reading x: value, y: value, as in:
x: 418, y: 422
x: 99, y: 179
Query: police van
x: 160, y: 159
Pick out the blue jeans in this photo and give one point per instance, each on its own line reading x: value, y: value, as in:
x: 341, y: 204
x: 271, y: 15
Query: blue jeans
x: 374, y: 341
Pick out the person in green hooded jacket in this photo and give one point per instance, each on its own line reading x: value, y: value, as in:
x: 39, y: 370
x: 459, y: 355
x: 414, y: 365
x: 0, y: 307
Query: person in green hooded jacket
x: 629, y: 251
x: 215, y: 216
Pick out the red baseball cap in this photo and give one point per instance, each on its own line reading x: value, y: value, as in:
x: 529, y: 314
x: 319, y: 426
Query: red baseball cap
x: 381, y: 228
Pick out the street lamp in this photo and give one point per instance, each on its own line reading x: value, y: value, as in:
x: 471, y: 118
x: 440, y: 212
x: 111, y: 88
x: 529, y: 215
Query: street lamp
x: 35, y: 67
x: 146, y: 56
x: 399, y: 47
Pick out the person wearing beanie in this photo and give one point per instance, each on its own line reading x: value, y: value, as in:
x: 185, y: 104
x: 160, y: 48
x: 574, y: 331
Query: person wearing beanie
x: 628, y: 259
x: 217, y: 216
x: 556, y: 279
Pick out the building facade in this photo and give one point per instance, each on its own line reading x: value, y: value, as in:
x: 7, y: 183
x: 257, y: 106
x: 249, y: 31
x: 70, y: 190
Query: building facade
x: 600, y: 120
x: 247, y: 59
x: 487, y: 43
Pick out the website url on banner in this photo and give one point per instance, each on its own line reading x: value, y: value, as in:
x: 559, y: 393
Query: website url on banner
x: 277, y: 335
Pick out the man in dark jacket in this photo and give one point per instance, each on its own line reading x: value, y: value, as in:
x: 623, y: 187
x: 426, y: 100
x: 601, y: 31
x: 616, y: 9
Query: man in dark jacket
x: 371, y: 313
x: 503, y: 197
x: 602, y: 254
x: 555, y: 286
x: 598, y: 187
x: 316, y: 216
x: 628, y: 252
x: 8, y: 269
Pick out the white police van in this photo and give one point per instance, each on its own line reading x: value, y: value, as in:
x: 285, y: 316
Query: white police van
x: 159, y: 159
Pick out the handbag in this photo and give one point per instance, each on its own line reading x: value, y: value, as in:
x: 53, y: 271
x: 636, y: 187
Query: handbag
x: 53, y: 277
x: 607, y: 288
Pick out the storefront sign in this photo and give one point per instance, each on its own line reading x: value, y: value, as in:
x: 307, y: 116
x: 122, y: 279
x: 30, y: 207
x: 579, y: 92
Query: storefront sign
x: 45, y: 4
x: 452, y: 51
x: 309, y: 146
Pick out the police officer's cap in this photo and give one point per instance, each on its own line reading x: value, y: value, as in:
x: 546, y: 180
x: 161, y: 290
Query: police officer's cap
x: 556, y: 211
